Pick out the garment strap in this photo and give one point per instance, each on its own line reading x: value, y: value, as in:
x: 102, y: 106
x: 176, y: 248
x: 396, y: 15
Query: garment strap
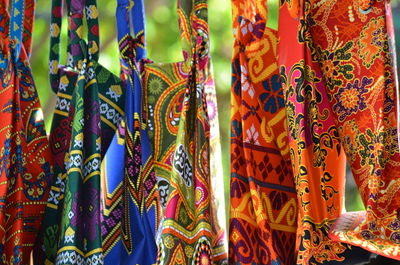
x: 79, y: 48
x: 55, y: 34
x: 29, y: 19
x: 131, y: 39
x: 192, y: 17
x: 21, y: 25
x: 55, y: 42
x: 193, y: 23
x: 131, y: 22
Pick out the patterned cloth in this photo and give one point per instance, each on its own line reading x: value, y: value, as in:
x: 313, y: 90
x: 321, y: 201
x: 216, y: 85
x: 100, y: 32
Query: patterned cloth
x: 341, y: 101
x: 63, y: 80
x: 97, y: 103
x: 131, y: 207
x: 89, y: 107
x: 25, y: 159
x: 183, y: 134
x: 263, y: 206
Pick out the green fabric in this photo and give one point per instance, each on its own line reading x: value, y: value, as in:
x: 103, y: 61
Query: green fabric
x: 180, y: 97
x: 89, y: 108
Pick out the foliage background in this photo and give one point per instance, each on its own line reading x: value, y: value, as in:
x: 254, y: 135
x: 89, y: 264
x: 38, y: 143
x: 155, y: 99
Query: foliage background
x: 163, y: 45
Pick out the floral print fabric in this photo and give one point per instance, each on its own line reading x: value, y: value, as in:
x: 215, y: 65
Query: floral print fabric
x: 341, y: 102
x: 320, y: 91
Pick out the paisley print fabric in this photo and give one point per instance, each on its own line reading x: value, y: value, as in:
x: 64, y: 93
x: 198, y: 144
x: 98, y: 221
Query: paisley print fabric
x: 182, y: 126
x: 25, y: 159
x: 340, y: 89
x: 131, y: 207
x: 263, y: 209
x: 164, y: 108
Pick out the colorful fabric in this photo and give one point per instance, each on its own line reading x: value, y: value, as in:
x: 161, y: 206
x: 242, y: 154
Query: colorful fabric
x: 90, y: 103
x: 182, y: 126
x: 97, y: 103
x: 341, y: 102
x: 62, y: 80
x: 131, y: 207
x: 263, y: 209
x: 25, y: 160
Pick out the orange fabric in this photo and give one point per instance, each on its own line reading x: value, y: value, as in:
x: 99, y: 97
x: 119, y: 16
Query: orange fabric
x: 341, y: 102
x: 263, y: 199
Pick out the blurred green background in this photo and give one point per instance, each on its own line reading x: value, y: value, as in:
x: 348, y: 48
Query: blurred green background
x: 163, y: 45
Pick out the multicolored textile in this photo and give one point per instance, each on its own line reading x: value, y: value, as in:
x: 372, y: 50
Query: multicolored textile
x: 97, y: 103
x: 25, y: 160
x: 341, y: 101
x: 182, y: 129
x: 131, y: 207
x: 62, y: 80
x: 263, y: 209
x: 90, y: 106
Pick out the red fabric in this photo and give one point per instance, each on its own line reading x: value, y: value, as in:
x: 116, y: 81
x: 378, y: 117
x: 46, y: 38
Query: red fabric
x: 25, y: 161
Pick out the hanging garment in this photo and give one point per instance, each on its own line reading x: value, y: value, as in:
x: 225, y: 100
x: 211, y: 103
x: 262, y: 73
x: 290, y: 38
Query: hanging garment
x: 341, y: 102
x: 263, y: 209
x: 62, y: 80
x: 25, y: 160
x: 72, y: 233
x: 130, y: 203
x: 97, y: 103
x: 182, y: 126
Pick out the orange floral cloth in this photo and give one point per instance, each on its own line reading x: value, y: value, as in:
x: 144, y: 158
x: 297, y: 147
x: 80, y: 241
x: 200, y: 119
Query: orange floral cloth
x: 342, y: 102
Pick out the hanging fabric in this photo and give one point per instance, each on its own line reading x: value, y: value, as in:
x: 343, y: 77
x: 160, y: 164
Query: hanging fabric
x: 263, y: 209
x: 90, y: 102
x: 98, y: 102
x: 62, y: 81
x: 25, y: 159
x: 182, y: 126
x: 130, y: 202
x: 342, y: 101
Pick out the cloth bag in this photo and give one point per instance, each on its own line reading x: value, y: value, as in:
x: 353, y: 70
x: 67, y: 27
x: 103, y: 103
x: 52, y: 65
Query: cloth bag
x: 130, y: 202
x: 90, y: 104
x: 341, y: 96
x: 263, y: 209
x: 25, y: 158
x: 183, y: 129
